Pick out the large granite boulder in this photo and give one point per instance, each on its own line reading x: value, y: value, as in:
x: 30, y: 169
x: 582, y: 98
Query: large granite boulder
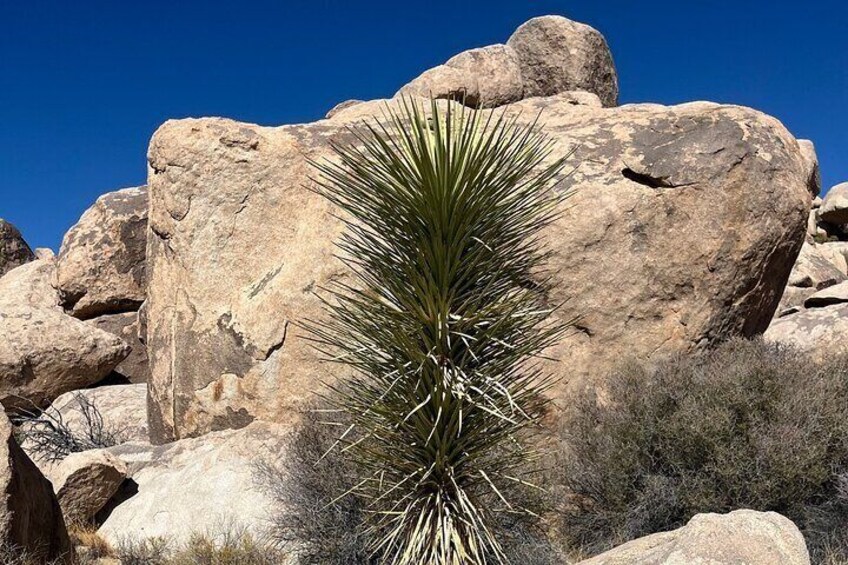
x: 742, y: 537
x: 30, y: 517
x: 834, y: 208
x: 195, y: 485
x: 44, y: 353
x: 14, y: 251
x: 656, y: 251
x: 31, y: 284
x: 126, y: 326
x: 487, y: 77
x: 557, y: 55
x: 101, y: 265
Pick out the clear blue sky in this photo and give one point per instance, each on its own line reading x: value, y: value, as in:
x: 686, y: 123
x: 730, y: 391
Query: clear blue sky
x: 84, y: 84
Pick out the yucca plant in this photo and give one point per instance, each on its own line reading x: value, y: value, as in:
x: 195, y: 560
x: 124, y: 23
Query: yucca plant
x: 443, y: 321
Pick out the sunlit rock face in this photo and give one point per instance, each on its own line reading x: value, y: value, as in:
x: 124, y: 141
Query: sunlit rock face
x: 681, y: 232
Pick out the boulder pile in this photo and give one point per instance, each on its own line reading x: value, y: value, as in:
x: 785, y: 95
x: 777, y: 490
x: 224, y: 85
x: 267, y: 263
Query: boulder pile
x: 813, y: 312
x: 172, y: 307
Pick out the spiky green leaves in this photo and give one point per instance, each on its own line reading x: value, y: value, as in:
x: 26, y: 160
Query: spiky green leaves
x: 447, y: 311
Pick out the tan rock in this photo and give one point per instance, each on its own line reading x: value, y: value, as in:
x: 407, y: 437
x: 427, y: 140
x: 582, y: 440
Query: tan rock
x: 742, y: 537
x: 85, y: 481
x: 655, y: 252
x: 827, y: 296
x: 196, y: 485
x: 30, y: 517
x: 14, y: 251
x: 833, y: 248
x: 557, y: 55
x: 813, y: 228
x: 123, y: 409
x: 135, y: 367
x: 341, y: 106
x: 834, y: 208
x: 101, y: 265
x: 816, y: 268
x: 487, y: 77
x: 811, y: 166
x: 31, y: 284
x: 820, y: 331
x: 793, y: 300
x: 832, y: 251
x: 45, y: 353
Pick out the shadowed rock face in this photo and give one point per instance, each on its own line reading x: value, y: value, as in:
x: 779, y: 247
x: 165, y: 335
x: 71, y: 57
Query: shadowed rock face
x: 14, y: 251
x: 682, y: 231
x: 126, y: 326
x: 101, y: 266
x: 30, y: 517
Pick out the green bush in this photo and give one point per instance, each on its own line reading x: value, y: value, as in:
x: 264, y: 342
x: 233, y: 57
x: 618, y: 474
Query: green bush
x: 440, y: 320
x: 748, y: 425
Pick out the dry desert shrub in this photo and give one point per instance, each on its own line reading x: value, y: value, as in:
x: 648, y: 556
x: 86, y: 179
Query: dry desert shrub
x: 747, y: 425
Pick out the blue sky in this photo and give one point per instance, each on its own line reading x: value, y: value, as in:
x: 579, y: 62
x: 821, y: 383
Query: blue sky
x: 84, y: 84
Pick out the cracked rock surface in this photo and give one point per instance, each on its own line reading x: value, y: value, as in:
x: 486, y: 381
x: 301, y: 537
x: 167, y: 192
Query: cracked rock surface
x: 683, y: 227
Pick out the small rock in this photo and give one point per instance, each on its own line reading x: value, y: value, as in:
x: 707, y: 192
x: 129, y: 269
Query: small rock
x: 830, y: 295
x: 14, y: 251
x: 815, y: 268
x: 126, y: 326
x: 341, y: 106
x: 85, y: 481
x: 487, y: 77
x: 557, y: 55
x: 31, y: 284
x: 44, y: 253
x: 834, y: 208
x: 741, y: 537
x: 811, y: 164
x: 793, y: 300
x: 813, y: 228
